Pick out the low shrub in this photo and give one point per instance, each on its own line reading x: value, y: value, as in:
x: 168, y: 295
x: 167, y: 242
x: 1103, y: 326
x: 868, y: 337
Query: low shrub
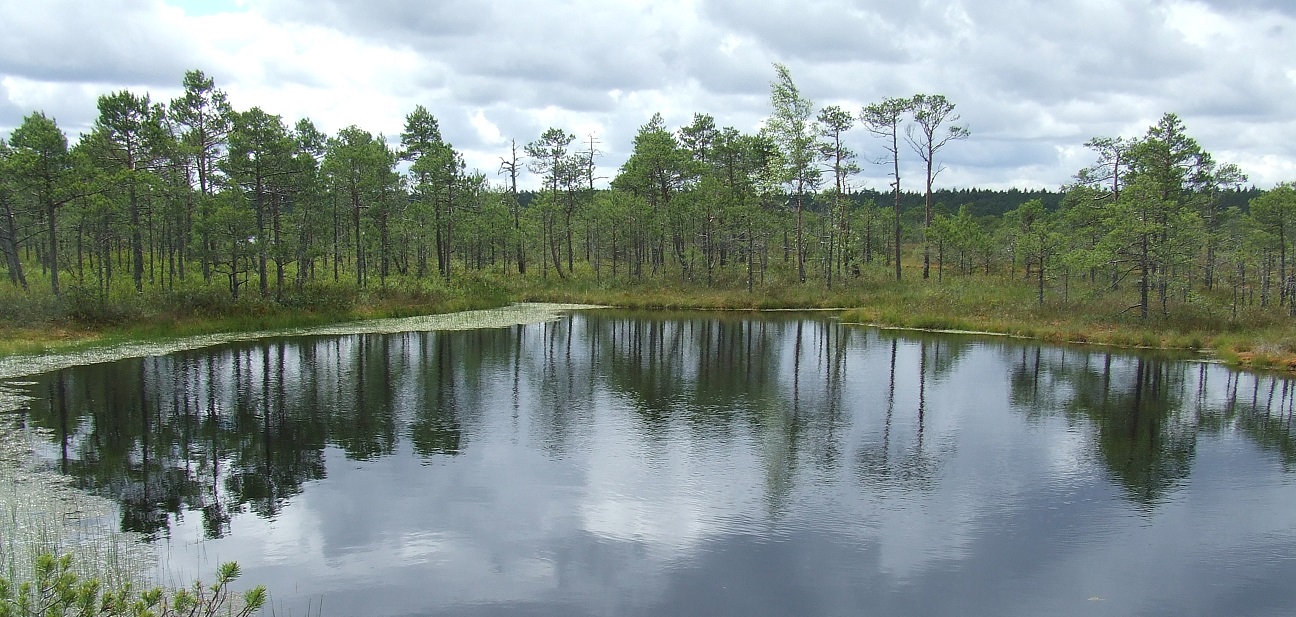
x: 56, y: 591
x: 322, y: 297
x: 90, y: 307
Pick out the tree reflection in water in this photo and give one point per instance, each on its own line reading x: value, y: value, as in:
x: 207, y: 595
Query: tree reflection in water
x: 1148, y: 412
x: 245, y: 427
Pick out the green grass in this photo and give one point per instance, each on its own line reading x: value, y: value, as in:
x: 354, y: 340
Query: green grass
x: 1094, y: 317
x: 42, y: 513
x: 35, y: 322
x: 1258, y: 338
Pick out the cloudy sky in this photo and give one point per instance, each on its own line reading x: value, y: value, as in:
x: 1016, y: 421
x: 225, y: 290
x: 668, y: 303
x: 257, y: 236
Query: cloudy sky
x: 1032, y: 80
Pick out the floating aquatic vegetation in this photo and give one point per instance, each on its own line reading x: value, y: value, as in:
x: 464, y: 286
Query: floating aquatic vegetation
x: 40, y: 510
x: 512, y: 315
x: 503, y: 317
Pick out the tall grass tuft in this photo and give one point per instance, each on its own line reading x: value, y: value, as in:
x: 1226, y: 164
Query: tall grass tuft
x: 98, y: 570
x: 42, y: 513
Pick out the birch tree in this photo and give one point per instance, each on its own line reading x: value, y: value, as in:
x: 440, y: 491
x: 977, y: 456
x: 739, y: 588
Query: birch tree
x: 793, y: 129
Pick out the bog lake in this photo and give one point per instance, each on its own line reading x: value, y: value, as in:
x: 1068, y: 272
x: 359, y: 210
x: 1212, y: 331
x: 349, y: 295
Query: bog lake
x: 599, y: 462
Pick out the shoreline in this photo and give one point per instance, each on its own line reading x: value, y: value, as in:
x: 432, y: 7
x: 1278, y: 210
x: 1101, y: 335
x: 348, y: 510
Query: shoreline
x: 52, y: 347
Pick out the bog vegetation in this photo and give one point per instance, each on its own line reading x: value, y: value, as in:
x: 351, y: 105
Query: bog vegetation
x: 97, y: 571
x: 171, y: 211
x: 189, y: 207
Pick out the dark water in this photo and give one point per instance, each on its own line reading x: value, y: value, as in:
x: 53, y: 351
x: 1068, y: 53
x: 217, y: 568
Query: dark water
x: 612, y: 464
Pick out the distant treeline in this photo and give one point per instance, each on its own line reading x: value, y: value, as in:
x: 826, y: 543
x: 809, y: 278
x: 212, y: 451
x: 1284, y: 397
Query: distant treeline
x: 979, y: 202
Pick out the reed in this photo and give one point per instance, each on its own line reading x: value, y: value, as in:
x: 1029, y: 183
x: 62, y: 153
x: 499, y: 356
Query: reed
x: 41, y: 513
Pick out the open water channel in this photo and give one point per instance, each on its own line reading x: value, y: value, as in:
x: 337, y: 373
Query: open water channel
x: 613, y: 463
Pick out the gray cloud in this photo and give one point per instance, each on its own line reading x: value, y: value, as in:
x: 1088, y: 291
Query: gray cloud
x: 1283, y: 7
x: 10, y: 114
x: 819, y: 31
x: 390, y: 19
x: 1031, y: 80
x: 537, y: 44
x: 73, y: 107
x: 110, y: 42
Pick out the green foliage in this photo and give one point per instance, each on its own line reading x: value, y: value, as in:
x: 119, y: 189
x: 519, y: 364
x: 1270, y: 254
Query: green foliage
x: 56, y: 591
x: 195, y: 215
x: 931, y: 112
x: 89, y: 307
x: 793, y: 128
x: 883, y: 119
x: 321, y: 297
x: 1274, y: 218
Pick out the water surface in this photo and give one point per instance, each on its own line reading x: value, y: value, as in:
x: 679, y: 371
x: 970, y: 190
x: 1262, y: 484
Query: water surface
x: 616, y: 463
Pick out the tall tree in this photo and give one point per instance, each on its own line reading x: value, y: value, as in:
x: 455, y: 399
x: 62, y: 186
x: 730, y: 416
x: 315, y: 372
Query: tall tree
x: 739, y: 162
x: 713, y: 204
x: 883, y: 119
x: 1036, y: 239
x: 549, y: 159
x: 41, y: 163
x: 1152, y: 228
x: 833, y: 124
x: 8, y: 220
x: 1096, y: 189
x: 310, y: 146
x: 1275, y: 213
x: 260, y: 161
x: 511, y: 167
x: 580, y: 180
x: 436, y: 174
x: 1170, y: 165
x: 656, y: 172
x: 931, y: 112
x: 206, y: 118
x: 699, y: 137
x: 128, y: 127
x: 1215, y: 179
x: 1107, y: 176
x: 357, y: 164
x: 792, y: 128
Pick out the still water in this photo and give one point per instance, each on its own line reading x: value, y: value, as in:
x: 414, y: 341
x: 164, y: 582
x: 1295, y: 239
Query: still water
x: 611, y: 463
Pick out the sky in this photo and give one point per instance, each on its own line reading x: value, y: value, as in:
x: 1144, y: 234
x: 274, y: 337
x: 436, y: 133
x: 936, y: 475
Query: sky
x: 1032, y: 81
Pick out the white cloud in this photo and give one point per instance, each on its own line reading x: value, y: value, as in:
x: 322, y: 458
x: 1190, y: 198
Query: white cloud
x: 1029, y: 79
x: 486, y: 130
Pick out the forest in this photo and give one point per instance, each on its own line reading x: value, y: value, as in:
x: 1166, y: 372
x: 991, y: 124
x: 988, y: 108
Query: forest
x: 193, y: 205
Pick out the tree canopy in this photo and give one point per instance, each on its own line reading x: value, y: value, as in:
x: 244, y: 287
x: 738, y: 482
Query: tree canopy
x: 194, y: 192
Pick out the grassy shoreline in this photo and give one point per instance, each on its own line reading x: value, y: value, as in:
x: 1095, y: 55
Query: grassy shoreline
x: 1253, y: 340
